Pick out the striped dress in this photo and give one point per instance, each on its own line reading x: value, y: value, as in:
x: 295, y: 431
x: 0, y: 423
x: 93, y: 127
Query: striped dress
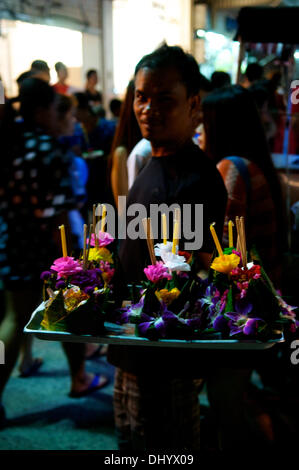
x: 258, y: 209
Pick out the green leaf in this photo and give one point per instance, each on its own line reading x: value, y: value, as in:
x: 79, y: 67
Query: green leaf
x: 54, y: 312
x: 86, y: 319
x: 229, y: 307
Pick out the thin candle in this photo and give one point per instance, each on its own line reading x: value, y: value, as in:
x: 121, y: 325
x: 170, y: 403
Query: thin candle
x: 104, y: 212
x: 91, y: 230
x: 164, y: 228
x: 242, y: 225
x: 84, y: 245
x: 146, y: 229
x: 177, y: 214
x: 151, y: 241
x: 230, y: 234
x: 238, y: 234
x: 94, y: 223
x: 175, y: 236
x: 94, y: 215
x: 63, y: 241
x: 215, y: 238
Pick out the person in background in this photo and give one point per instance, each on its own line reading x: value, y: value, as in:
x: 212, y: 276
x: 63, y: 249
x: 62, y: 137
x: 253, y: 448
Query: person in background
x: 254, y: 73
x: 40, y: 69
x: 62, y: 74
x: 261, y: 96
x: 137, y: 160
x: 33, y: 203
x: 126, y: 136
x: 94, y: 97
x: 255, y: 192
x: 71, y: 142
x: 235, y: 140
x: 115, y: 108
x: 220, y: 79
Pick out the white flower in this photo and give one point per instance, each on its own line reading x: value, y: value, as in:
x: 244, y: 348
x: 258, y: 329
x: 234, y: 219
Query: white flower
x: 174, y: 262
x: 163, y: 248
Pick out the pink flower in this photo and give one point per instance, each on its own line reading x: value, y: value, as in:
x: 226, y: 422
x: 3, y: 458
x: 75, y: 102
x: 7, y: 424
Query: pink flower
x: 66, y: 266
x: 104, y: 239
x: 156, y: 272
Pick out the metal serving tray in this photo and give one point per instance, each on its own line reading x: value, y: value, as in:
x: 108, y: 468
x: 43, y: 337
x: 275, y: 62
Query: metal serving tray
x: 124, y: 335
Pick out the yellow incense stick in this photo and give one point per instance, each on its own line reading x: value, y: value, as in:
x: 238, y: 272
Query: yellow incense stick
x: 103, y: 222
x: 84, y: 244
x: 146, y: 229
x: 230, y: 234
x: 164, y: 228
x: 63, y: 241
x: 242, y: 226
x: 175, y: 236
x: 151, y: 241
x: 215, y: 238
x: 91, y: 230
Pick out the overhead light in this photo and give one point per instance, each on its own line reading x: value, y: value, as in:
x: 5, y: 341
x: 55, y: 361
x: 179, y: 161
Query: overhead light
x: 296, y: 55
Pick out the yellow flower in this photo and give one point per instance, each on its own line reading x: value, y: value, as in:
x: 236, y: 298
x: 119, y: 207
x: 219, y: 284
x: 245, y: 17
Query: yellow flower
x: 100, y: 254
x: 226, y: 263
x: 168, y: 296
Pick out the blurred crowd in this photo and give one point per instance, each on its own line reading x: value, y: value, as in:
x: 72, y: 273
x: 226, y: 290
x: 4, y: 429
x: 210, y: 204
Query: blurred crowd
x: 61, y: 154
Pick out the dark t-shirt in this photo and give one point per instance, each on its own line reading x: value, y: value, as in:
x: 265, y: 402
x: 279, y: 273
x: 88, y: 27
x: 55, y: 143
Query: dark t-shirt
x: 187, y: 177
x: 94, y: 97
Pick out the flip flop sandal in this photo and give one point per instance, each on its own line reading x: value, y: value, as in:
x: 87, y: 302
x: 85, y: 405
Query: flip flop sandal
x: 95, y: 385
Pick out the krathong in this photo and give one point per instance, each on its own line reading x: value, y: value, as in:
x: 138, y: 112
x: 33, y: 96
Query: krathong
x: 240, y: 301
x: 79, y: 293
x: 236, y: 301
x: 167, y: 306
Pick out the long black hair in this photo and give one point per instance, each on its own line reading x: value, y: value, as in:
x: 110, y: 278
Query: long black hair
x: 34, y: 93
x: 233, y: 128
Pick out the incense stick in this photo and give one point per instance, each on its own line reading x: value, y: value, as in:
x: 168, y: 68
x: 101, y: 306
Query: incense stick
x: 146, y: 229
x: 151, y: 240
x: 91, y: 229
x: 238, y: 235
x: 84, y: 245
x: 94, y: 223
x: 242, y: 226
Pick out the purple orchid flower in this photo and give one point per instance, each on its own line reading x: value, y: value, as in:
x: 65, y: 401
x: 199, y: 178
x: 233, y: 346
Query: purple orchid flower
x: 194, y: 323
x: 220, y: 323
x: 243, y: 306
x: 210, y: 299
x: 166, y: 321
x: 242, y: 324
x: 88, y: 278
x: 143, y: 327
